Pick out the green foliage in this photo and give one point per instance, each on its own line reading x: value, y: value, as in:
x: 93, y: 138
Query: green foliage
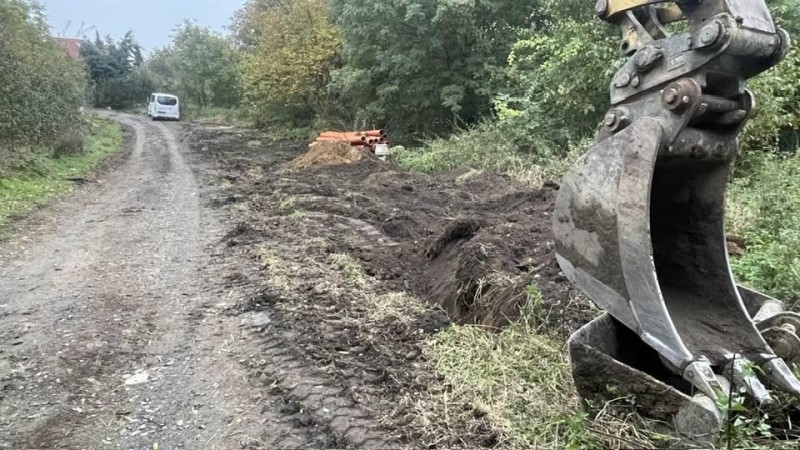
x: 492, y: 147
x: 286, y: 72
x: 516, y: 377
x: 744, y: 427
x: 113, y: 71
x: 777, y: 119
x: 424, y: 67
x: 42, y: 179
x: 200, y: 65
x: 559, y: 81
x: 519, y: 377
x: 41, y: 89
x: 762, y: 209
x: 246, y: 28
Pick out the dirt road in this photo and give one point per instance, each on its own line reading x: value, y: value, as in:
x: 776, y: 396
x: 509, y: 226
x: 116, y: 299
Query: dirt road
x: 114, y: 331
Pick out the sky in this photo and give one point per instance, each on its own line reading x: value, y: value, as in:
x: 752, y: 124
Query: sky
x: 151, y: 20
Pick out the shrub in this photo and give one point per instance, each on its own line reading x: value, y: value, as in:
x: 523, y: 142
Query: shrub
x: 69, y: 143
x: 41, y: 88
x: 762, y: 209
x: 286, y: 70
x: 493, y: 147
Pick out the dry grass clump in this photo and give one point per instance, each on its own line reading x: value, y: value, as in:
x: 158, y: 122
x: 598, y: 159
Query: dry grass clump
x: 328, y: 154
x: 519, y: 379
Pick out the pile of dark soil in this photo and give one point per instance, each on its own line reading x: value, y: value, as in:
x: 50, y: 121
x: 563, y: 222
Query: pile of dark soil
x: 469, y: 244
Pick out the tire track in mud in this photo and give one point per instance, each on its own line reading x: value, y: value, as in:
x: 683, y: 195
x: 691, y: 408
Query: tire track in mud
x: 119, y: 280
x: 307, y: 395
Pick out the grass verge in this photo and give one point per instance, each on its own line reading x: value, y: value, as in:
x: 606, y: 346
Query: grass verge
x: 519, y: 378
x: 48, y: 177
x: 490, y: 148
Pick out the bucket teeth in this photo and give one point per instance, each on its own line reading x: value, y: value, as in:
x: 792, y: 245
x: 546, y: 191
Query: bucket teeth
x: 702, y: 376
x: 742, y: 375
x: 778, y: 372
x: 639, y: 222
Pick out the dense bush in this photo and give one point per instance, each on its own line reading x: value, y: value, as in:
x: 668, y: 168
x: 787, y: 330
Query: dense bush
x: 41, y: 89
x: 425, y: 67
x: 778, y: 92
x: 287, y: 60
x: 763, y: 212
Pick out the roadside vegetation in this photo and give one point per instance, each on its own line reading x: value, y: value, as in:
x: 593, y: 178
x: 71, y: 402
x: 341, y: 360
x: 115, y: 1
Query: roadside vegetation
x: 55, y: 170
x: 45, y: 140
x: 519, y: 377
x: 41, y: 89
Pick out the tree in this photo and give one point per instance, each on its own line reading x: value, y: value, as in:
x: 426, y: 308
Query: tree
x: 41, y: 88
x: 246, y: 28
x: 287, y: 67
x: 202, y: 66
x: 558, y: 80
x: 111, y: 66
x: 426, y: 66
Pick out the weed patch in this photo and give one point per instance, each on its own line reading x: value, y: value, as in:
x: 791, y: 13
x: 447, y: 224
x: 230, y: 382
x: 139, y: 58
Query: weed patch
x: 48, y: 177
x: 279, y: 273
x: 489, y: 148
x: 519, y: 378
x: 762, y: 211
x: 349, y: 267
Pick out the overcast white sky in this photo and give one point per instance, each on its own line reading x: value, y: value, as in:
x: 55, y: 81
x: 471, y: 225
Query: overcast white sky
x: 151, y: 20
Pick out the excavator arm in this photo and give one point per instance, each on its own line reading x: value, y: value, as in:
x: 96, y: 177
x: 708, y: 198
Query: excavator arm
x: 639, y: 221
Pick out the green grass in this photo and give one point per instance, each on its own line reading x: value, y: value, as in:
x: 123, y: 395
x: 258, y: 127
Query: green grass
x: 490, y: 148
x: 349, y: 268
x: 46, y: 178
x: 763, y: 210
x: 520, y: 378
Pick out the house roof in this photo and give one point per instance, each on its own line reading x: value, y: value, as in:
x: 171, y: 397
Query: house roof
x: 71, y: 46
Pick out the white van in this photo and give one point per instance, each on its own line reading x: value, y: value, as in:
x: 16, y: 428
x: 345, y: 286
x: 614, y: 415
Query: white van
x: 163, y: 106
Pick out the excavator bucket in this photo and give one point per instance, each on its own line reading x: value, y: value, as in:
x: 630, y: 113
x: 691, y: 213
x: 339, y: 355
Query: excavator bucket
x: 639, y: 221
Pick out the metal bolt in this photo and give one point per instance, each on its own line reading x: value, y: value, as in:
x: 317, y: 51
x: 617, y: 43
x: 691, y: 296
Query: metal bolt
x: 601, y: 7
x: 611, y: 119
x: 686, y: 99
x: 671, y: 96
x: 623, y: 80
x: 710, y: 33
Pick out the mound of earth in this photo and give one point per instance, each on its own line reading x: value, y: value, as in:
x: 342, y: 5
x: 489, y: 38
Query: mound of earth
x: 328, y: 154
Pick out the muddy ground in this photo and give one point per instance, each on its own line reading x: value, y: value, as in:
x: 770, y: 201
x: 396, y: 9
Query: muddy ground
x: 203, y: 293
x: 461, y: 247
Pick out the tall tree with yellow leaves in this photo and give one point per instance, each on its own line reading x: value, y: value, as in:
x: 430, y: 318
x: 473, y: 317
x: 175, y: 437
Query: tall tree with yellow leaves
x: 286, y: 70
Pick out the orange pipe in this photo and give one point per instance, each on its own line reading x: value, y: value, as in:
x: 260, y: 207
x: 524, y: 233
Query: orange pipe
x: 345, y: 137
x: 375, y: 133
x: 347, y: 141
x: 350, y: 134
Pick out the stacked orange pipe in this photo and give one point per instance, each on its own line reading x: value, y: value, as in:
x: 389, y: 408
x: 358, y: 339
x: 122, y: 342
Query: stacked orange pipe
x: 361, y: 139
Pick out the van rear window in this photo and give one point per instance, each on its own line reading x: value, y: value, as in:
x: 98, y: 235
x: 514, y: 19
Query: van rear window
x: 168, y: 101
